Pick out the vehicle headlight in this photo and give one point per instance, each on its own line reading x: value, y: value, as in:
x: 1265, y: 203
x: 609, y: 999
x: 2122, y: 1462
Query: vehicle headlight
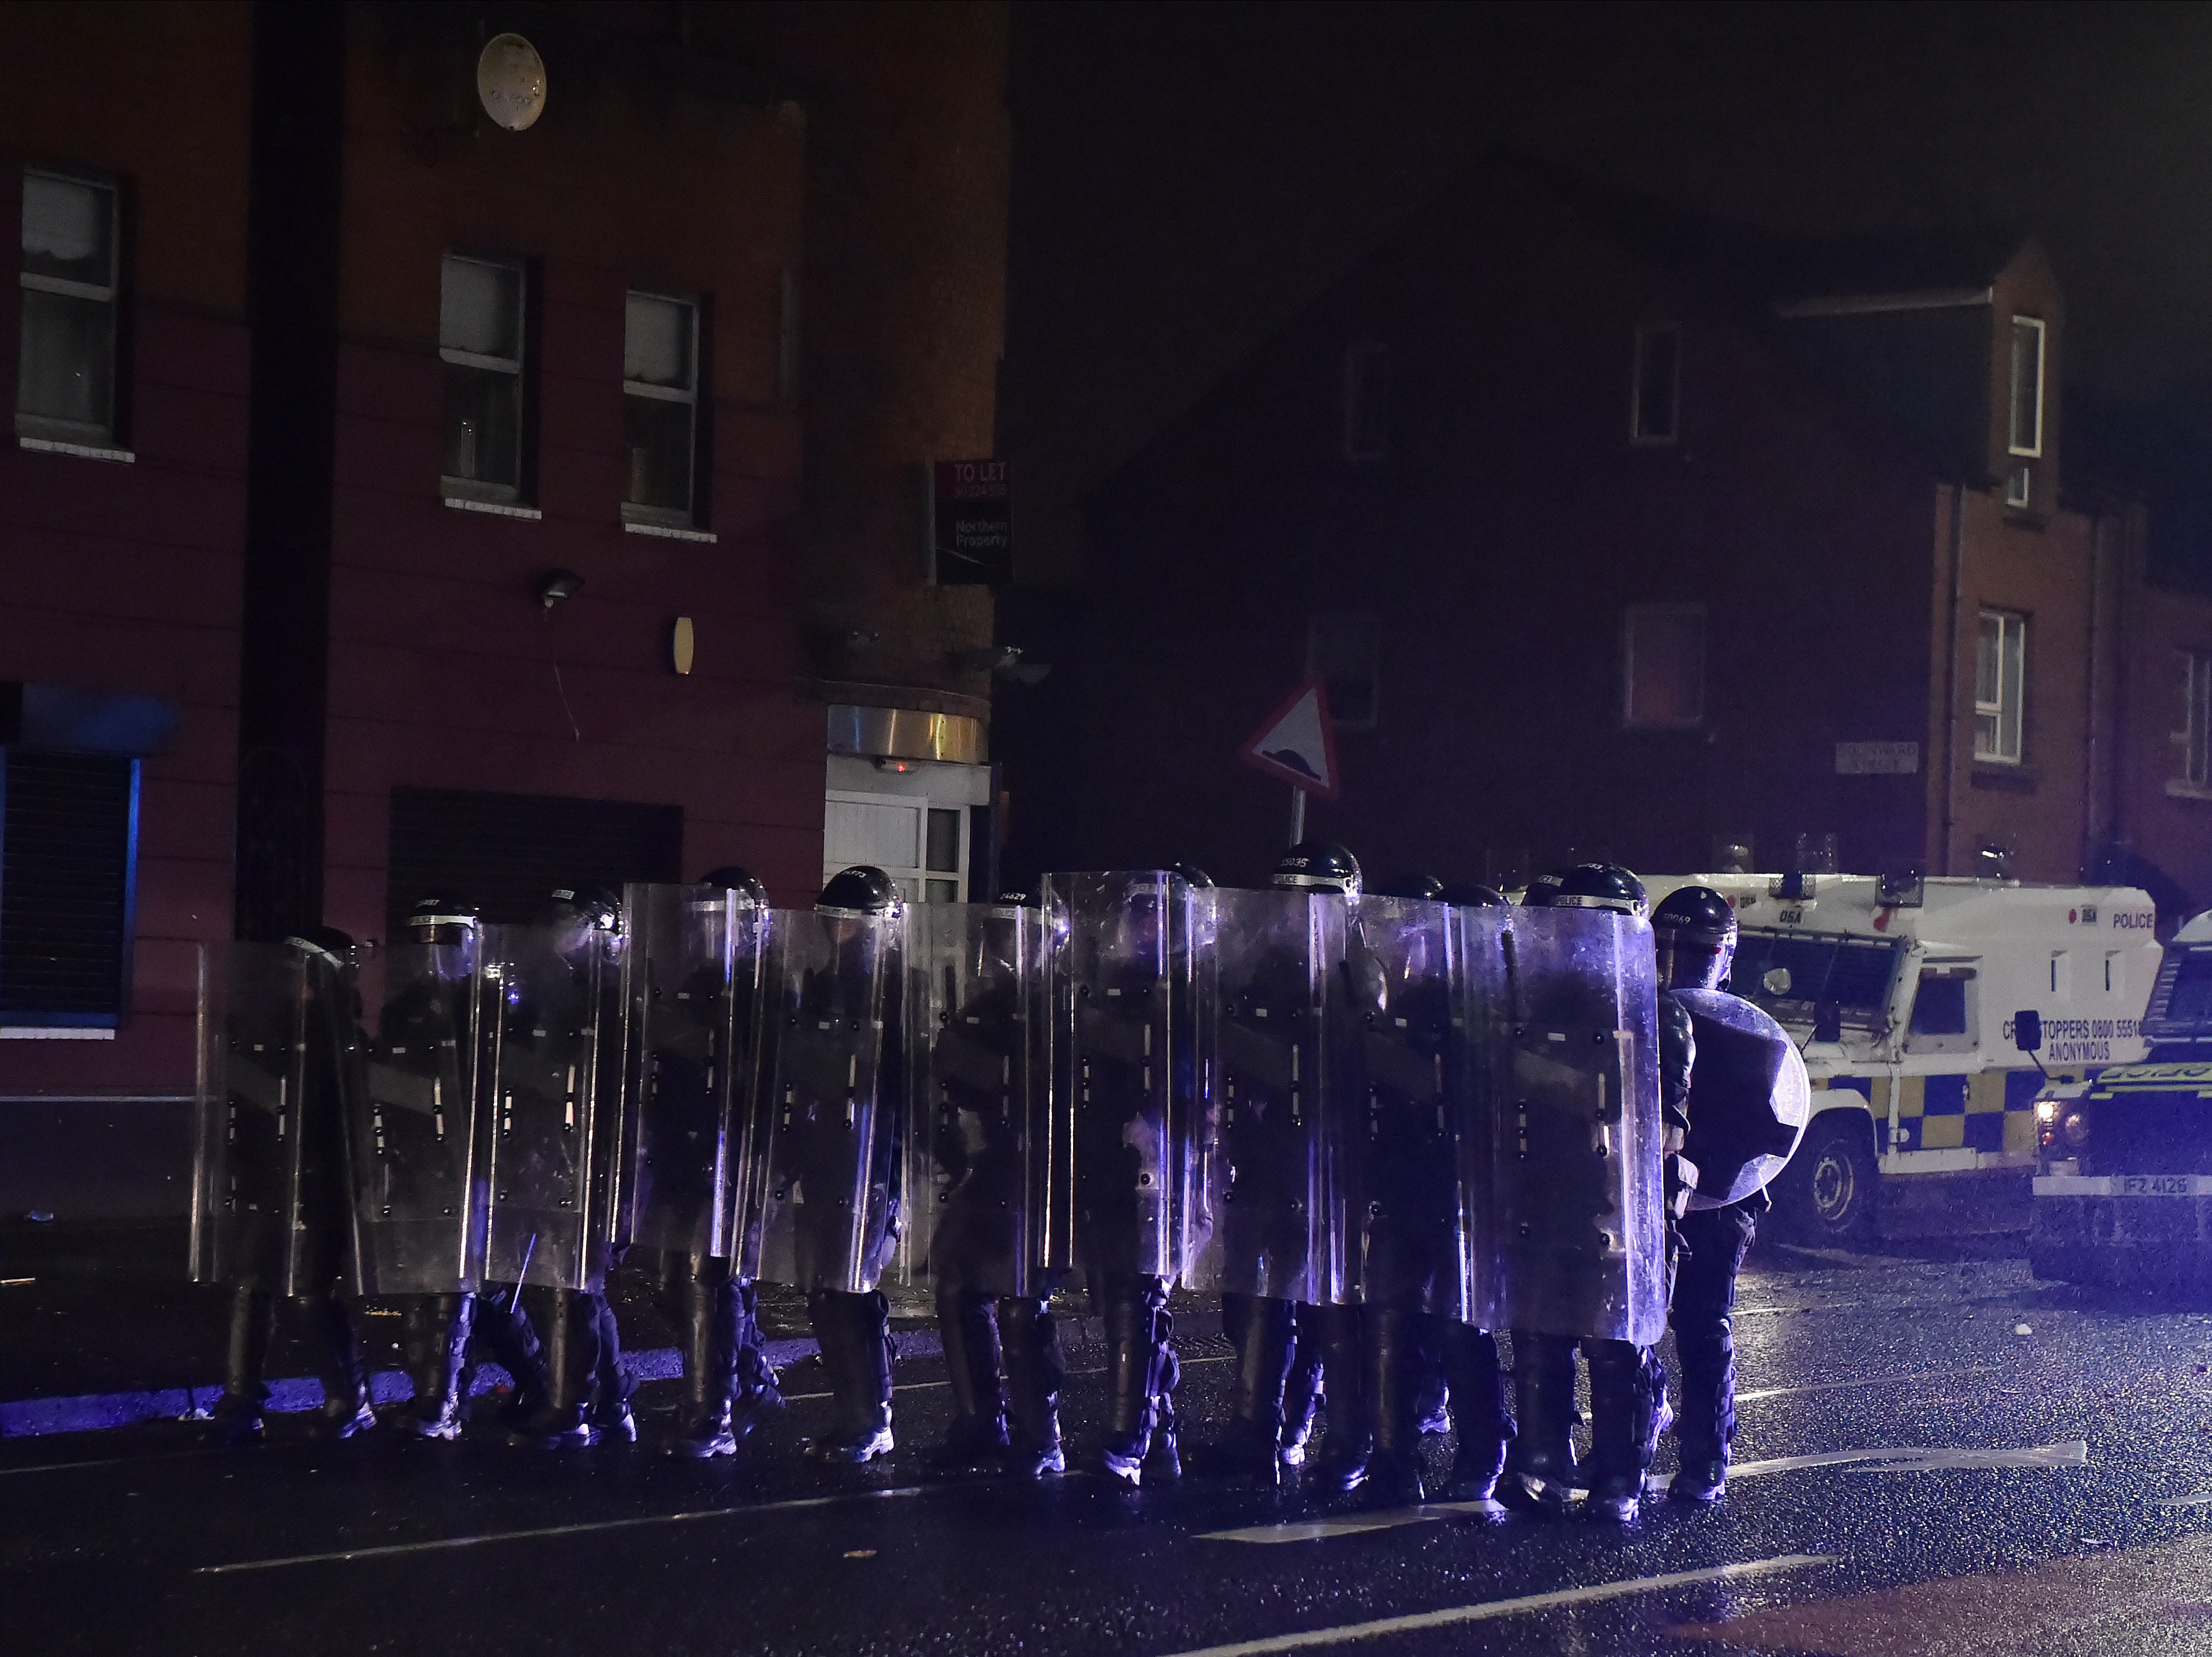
x: 2046, y: 1110
x: 2075, y: 1127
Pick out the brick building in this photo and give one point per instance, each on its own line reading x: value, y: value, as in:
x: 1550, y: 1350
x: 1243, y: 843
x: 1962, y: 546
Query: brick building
x: 1613, y: 534
x: 403, y: 504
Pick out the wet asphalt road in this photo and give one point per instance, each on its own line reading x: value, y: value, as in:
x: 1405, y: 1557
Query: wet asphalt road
x: 2045, y: 1491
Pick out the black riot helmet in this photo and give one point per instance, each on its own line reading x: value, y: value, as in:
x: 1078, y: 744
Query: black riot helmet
x: 326, y: 944
x: 1319, y: 866
x: 736, y: 877
x: 1588, y: 886
x: 437, y: 920
x: 1694, y: 930
x: 1472, y: 894
x: 1418, y: 885
x: 581, y: 911
x: 1193, y: 877
x: 859, y: 893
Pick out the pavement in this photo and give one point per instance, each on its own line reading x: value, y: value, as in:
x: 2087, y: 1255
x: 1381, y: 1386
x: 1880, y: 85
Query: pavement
x: 1938, y: 1454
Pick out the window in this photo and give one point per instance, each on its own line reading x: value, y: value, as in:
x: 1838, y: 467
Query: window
x: 1942, y: 1011
x: 1367, y: 402
x: 1663, y: 669
x: 2192, y: 738
x: 2027, y: 428
x: 2019, y: 486
x: 1999, y: 686
x: 1346, y: 651
x: 660, y: 406
x: 65, y: 377
x: 67, y: 865
x: 1657, y: 399
x: 921, y: 845
x: 480, y: 339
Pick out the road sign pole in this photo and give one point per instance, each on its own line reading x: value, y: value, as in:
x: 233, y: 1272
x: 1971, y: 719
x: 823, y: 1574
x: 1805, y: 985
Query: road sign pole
x: 1297, y: 815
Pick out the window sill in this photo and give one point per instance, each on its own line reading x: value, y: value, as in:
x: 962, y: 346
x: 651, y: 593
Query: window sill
x: 2181, y: 788
x: 55, y: 1033
x: 82, y: 451
x: 668, y: 531
x: 496, y: 509
x: 2013, y: 778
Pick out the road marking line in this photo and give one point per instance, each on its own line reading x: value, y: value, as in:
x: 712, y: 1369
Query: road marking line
x: 1824, y: 1305
x: 394, y: 1548
x: 2204, y: 1501
x: 1862, y: 1381
x: 1489, y: 1610
x: 1383, y: 1518
x: 102, y: 1461
x: 2074, y: 1453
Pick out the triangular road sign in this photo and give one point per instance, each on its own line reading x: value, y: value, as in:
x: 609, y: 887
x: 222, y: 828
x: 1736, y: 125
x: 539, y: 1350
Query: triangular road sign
x: 1298, y: 743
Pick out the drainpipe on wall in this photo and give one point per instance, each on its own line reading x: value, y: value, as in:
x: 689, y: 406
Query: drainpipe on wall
x: 1951, y: 671
x: 2094, y: 746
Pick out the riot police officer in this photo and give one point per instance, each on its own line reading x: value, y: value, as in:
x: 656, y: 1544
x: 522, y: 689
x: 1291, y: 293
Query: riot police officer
x: 272, y: 1218
x: 984, y: 1012
x: 835, y: 1064
x: 1628, y: 1397
x: 1747, y: 1104
x: 695, y: 1121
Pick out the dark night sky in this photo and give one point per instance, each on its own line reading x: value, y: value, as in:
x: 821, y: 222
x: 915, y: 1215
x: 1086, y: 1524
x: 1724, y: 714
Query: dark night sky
x: 1186, y: 177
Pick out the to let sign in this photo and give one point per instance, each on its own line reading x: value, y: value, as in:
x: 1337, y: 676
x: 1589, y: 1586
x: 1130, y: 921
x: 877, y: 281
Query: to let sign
x: 972, y: 522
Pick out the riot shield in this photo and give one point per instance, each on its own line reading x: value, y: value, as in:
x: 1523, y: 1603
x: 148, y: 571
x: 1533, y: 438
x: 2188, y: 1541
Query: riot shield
x: 412, y: 1127
x: 691, y: 982
x: 1475, y: 1089
x: 551, y: 1045
x: 1579, y: 1218
x: 988, y: 1215
x: 276, y: 1040
x: 823, y: 1208
x: 1131, y: 1001
x: 1749, y: 1099
x: 1402, y: 1155
x: 1286, y: 1227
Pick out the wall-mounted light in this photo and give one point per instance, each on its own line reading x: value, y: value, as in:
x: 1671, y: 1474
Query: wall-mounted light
x: 680, y: 645
x: 558, y: 583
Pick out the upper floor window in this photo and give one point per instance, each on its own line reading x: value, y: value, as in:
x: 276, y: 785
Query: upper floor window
x: 480, y: 339
x: 1663, y: 666
x: 660, y: 406
x: 2026, y: 432
x: 65, y: 376
x: 1367, y: 402
x: 2192, y: 738
x: 2000, y: 687
x: 1656, y: 407
x: 1346, y: 652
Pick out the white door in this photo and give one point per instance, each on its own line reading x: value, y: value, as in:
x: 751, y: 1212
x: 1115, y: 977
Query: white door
x: 920, y: 844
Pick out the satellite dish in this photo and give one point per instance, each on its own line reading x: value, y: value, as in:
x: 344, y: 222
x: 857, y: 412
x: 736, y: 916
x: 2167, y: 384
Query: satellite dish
x: 511, y: 82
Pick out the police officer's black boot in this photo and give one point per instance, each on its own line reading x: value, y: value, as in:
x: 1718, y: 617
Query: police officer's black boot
x: 1627, y: 1414
x: 611, y: 1386
x: 1480, y: 1418
x: 1302, y: 1395
x: 710, y: 1369
x: 978, y: 1438
x: 858, y: 1327
x: 1132, y: 1371
x: 1540, y: 1467
x: 1254, y: 1443
x: 347, y: 1407
x: 436, y: 1332
x: 1350, y: 1445
x: 1164, y: 1461
x: 572, y: 1353
x: 1035, y: 1371
x: 501, y: 1330
x: 757, y: 1390
x: 239, y: 1412
x: 1704, y: 1297
x: 1393, y: 1372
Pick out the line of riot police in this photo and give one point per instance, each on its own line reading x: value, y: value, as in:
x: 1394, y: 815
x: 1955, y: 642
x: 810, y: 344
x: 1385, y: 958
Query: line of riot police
x: 1380, y: 1126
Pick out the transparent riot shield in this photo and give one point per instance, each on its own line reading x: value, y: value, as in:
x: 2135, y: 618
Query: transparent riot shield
x: 1132, y: 1003
x: 412, y: 1127
x: 277, y: 1048
x: 823, y: 1211
x: 1476, y: 1085
x: 989, y: 1215
x: 1403, y: 1134
x: 1749, y: 1099
x: 691, y: 981
x: 551, y: 1045
x: 1284, y: 1227
x: 1579, y: 1218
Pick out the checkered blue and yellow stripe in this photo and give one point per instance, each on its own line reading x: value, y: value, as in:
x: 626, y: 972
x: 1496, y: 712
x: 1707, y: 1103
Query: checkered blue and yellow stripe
x: 1988, y: 1110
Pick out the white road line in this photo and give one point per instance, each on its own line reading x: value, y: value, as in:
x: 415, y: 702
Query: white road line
x: 1382, y: 1519
x: 2204, y: 1501
x: 1490, y: 1610
x: 1862, y: 1381
x: 393, y: 1549
x: 1824, y: 1305
x: 102, y: 1461
x: 2074, y: 1452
